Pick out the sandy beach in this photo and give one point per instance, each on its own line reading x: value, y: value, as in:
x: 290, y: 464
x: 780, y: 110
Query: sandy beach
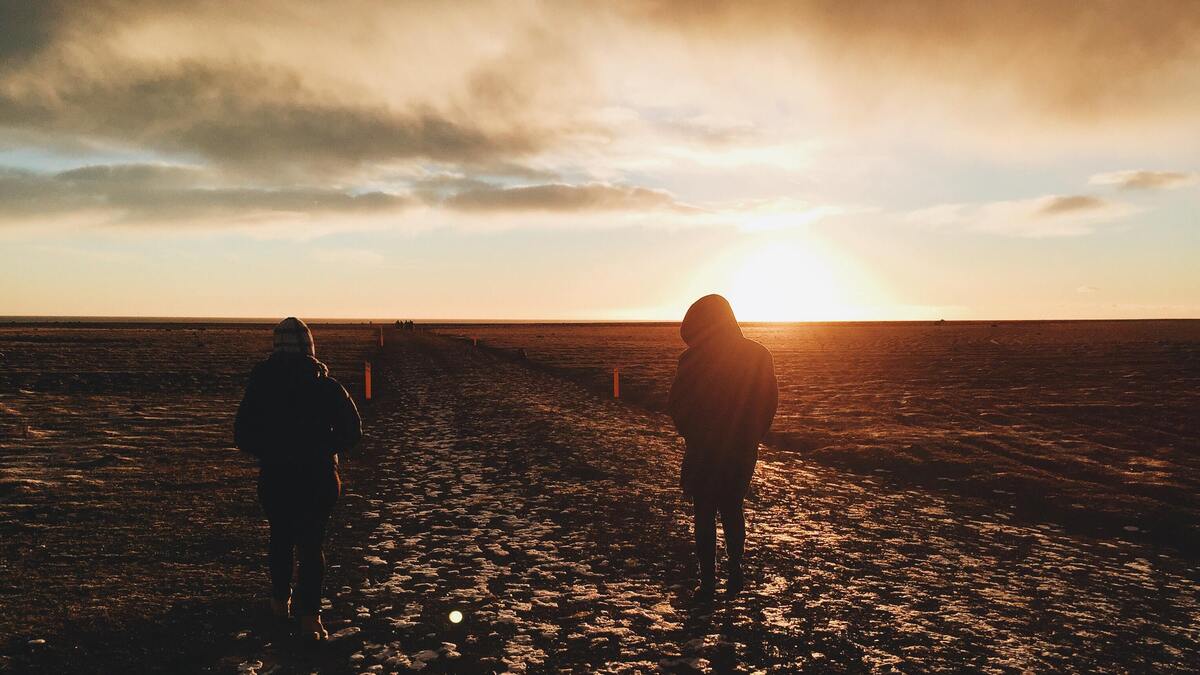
x: 545, y: 512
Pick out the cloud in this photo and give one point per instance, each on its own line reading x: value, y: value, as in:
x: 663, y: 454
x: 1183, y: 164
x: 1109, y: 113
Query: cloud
x: 557, y: 107
x: 1048, y: 216
x: 167, y: 195
x: 27, y: 27
x: 1086, y: 290
x: 287, y: 90
x: 277, y: 85
x: 1075, y: 61
x: 1056, y: 205
x: 562, y: 197
x: 120, y: 176
x: 252, y: 118
x: 1145, y: 180
x: 712, y: 131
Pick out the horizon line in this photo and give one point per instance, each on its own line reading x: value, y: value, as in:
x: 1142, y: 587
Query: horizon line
x: 100, y: 318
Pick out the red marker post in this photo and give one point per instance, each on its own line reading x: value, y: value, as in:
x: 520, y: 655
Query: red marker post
x: 381, y: 336
x: 616, y: 383
x: 367, y: 380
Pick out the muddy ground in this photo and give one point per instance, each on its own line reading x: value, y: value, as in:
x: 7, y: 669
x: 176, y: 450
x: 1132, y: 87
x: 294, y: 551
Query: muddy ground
x: 548, y: 516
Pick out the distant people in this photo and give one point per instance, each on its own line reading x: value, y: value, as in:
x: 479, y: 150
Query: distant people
x: 723, y: 400
x: 296, y: 419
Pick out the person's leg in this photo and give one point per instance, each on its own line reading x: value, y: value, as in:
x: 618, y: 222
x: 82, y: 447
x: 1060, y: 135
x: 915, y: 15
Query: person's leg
x: 733, y: 523
x: 310, y: 541
x: 280, y: 559
x: 704, y: 511
x: 280, y: 544
x: 310, y: 547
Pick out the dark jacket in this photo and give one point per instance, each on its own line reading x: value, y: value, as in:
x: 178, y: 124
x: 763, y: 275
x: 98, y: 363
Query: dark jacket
x: 295, y: 417
x: 723, y: 399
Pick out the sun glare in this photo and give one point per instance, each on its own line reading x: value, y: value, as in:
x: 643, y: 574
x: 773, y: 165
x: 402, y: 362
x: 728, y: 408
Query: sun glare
x: 786, y: 281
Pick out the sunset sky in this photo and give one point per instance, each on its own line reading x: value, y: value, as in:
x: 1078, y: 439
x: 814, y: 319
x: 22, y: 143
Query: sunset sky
x: 521, y: 160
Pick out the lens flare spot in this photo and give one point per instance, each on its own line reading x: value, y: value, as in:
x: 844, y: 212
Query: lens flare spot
x: 456, y: 616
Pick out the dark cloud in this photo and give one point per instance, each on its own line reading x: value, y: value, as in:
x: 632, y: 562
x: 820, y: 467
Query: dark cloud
x: 1059, y: 205
x: 1145, y: 180
x: 68, y: 78
x: 562, y: 197
x: 256, y: 117
x: 141, y: 176
x: 161, y: 204
x: 26, y: 27
x: 1075, y: 59
x: 166, y: 195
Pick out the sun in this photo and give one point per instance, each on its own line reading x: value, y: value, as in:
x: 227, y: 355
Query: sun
x: 785, y: 281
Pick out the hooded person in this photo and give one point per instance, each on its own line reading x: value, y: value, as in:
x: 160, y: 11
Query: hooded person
x: 296, y: 419
x: 723, y: 400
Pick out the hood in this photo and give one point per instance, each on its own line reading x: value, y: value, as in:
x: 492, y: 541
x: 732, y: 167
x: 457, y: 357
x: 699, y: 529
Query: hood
x: 296, y: 366
x: 709, y: 317
x: 292, y: 336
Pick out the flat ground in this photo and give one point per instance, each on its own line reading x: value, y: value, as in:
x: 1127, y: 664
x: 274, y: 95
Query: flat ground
x: 129, y: 532
x: 1088, y: 424
x: 549, y: 517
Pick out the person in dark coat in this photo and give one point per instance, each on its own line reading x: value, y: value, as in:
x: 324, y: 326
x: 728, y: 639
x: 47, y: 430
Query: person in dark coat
x: 296, y: 419
x: 723, y: 400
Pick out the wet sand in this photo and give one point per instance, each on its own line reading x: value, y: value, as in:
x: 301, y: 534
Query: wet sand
x: 548, y: 515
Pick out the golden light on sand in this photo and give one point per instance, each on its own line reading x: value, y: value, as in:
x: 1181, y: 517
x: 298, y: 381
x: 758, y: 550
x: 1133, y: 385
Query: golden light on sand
x: 456, y: 616
x: 786, y: 280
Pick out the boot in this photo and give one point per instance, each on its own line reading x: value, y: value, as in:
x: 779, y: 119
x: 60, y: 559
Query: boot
x: 282, y: 609
x: 736, y: 581
x: 311, y: 628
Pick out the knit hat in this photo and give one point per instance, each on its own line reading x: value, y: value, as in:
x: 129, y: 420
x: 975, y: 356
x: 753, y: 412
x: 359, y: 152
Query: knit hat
x: 293, y: 337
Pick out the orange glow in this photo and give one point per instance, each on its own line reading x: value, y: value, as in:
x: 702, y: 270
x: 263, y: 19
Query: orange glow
x: 787, y: 281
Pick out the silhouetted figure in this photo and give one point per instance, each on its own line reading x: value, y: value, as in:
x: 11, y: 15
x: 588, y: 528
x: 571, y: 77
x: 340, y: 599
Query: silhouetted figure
x: 723, y: 400
x: 296, y: 419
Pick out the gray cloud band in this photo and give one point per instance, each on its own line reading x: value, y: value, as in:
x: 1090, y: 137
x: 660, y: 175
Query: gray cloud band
x: 249, y: 118
x: 149, y: 193
x: 136, y: 193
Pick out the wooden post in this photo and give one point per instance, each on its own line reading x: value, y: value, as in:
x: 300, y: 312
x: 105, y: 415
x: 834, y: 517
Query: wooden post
x: 616, y: 383
x: 367, y: 380
x: 474, y: 342
x: 380, y: 336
